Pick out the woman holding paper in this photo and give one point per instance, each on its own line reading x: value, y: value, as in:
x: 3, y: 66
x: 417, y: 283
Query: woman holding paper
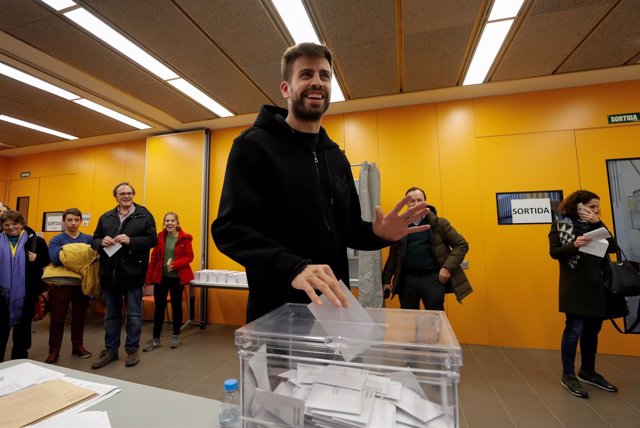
x: 169, y: 271
x: 583, y: 297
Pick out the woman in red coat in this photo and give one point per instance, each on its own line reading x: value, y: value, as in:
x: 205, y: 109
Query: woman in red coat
x: 169, y: 271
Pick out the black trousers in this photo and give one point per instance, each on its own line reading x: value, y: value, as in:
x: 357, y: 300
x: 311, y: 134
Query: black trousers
x: 422, y: 287
x: 171, y: 285
x: 21, y: 331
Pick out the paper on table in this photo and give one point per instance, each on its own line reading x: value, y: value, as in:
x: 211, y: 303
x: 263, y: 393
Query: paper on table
x: 111, y: 250
x: 599, y: 244
x: 92, y: 419
x: 17, y: 409
x: 25, y: 374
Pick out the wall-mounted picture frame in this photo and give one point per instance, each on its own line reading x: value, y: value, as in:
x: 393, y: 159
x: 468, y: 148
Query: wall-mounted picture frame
x: 52, y: 221
x: 532, y: 207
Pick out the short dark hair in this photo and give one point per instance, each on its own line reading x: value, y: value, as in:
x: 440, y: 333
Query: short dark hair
x: 124, y: 183
x: 311, y: 50
x: 12, y: 215
x: 71, y: 211
x: 569, y: 205
x: 411, y: 189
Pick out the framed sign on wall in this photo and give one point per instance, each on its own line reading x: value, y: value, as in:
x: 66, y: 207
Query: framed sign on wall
x: 52, y: 221
x: 534, y: 207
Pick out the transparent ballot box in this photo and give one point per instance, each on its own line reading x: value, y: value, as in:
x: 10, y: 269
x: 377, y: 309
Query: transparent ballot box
x: 402, y: 370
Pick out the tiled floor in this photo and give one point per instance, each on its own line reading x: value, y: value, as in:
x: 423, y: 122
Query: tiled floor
x: 500, y: 387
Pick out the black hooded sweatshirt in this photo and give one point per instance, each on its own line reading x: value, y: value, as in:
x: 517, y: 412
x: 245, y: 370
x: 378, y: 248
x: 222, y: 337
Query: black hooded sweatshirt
x: 288, y: 200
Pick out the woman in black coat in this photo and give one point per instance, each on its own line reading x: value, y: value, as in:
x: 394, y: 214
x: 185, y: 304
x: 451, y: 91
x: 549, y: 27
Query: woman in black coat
x: 23, y: 256
x: 583, y: 297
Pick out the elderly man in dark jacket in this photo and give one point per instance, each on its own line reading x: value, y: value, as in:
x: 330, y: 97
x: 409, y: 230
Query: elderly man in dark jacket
x: 124, y: 236
x: 426, y: 265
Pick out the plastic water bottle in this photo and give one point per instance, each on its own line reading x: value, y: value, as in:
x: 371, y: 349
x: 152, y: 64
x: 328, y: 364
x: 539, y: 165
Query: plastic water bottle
x: 229, y: 414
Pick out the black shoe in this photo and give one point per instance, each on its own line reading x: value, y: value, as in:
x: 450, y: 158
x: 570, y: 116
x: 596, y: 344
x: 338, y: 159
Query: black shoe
x: 52, y: 358
x: 596, y: 379
x: 105, y: 358
x: 573, y: 386
x: 81, y: 352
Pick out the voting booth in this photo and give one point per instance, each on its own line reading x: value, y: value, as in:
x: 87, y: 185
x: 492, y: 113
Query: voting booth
x: 401, y: 369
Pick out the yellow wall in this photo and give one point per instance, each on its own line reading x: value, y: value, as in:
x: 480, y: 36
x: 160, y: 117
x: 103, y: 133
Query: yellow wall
x: 464, y: 152
x: 460, y: 152
x: 83, y: 178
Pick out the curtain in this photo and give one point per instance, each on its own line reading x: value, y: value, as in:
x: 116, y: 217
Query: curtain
x: 369, y: 262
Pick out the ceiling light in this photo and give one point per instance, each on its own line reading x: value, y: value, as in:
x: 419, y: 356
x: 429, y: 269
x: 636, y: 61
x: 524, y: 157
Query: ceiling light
x: 111, y: 113
x: 34, y: 81
x: 37, y: 127
x: 494, y: 33
x: 299, y: 25
x: 200, y: 97
x: 490, y: 43
x: 60, y: 4
x: 116, y: 40
x: 503, y: 9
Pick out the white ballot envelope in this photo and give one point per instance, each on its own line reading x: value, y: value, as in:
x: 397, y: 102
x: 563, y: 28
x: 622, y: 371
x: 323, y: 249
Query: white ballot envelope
x: 599, y: 244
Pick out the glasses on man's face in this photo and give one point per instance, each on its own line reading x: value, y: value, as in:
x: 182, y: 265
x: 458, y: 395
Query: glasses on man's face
x: 125, y: 194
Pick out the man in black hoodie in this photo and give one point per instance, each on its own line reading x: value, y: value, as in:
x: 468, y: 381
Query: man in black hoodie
x: 289, y: 207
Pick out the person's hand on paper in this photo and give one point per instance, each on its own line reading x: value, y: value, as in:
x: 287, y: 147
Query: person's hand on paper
x: 581, y: 241
x: 108, y: 241
x: 122, y: 239
x: 320, y: 277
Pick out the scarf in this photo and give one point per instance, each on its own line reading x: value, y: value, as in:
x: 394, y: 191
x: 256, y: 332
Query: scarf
x: 12, y: 275
x: 567, y: 236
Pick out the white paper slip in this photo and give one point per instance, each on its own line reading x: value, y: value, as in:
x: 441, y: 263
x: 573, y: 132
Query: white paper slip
x: 378, y: 384
x: 362, y: 419
x: 258, y: 364
x: 23, y: 375
x: 111, y: 250
x: 383, y: 414
x: 354, y: 312
x: 394, y: 392
x: 599, y: 244
x: 424, y: 410
x: 325, y: 397
x: 290, y: 389
x: 288, y: 409
x: 599, y: 233
x: 341, y: 376
x: 307, y: 373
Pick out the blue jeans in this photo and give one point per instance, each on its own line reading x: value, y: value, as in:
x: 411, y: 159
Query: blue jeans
x: 581, y: 329
x: 132, y: 298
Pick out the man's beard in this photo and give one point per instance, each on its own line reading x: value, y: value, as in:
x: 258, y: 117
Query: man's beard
x: 308, y: 114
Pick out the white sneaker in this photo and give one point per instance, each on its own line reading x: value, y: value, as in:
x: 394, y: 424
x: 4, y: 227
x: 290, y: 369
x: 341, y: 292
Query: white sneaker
x: 175, y: 340
x: 151, y: 344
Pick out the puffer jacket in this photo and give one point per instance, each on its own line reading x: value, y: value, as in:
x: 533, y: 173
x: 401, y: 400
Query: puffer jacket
x: 449, y: 248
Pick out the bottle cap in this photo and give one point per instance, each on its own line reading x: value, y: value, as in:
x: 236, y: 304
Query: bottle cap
x: 231, y: 385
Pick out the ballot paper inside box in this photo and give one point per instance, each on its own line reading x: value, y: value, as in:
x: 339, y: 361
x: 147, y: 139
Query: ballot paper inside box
x: 403, y: 370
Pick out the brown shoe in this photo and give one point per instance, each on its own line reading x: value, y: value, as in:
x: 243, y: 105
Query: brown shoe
x: 105, y: 358
x: 132, y: 358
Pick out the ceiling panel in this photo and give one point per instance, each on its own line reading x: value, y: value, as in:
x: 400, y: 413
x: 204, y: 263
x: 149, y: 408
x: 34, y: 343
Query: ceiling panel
x: 614, y: 42
x: 231, y: 50
x: 436, y: 36
x: 548, y: 35
x: 362, y: 35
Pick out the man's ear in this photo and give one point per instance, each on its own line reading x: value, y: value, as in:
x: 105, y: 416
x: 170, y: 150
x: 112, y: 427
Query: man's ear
x: 284, y: 90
